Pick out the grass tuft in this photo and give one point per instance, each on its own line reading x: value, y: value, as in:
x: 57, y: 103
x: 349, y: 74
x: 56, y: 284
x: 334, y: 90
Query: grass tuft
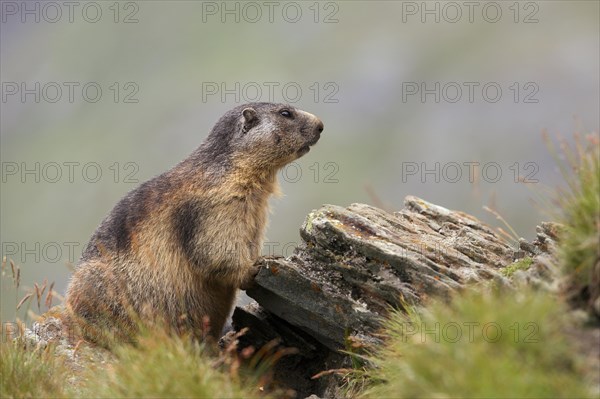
x: 25, y: 373
x: 579, y: 249
x: 164, y: 366
x: 490, y: 345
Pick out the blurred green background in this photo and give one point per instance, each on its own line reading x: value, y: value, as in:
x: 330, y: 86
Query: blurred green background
x: 156, y: 63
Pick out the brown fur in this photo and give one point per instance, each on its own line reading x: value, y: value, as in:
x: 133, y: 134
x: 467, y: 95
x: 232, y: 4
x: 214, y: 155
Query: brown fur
x: 175, y: 250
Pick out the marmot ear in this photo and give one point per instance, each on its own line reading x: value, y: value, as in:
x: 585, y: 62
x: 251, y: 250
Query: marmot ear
x: 249, y: 115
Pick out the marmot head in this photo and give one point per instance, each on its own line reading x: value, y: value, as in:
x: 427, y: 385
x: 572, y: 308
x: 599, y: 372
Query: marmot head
x: 262, y: 136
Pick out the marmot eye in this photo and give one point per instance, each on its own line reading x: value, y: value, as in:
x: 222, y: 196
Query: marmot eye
x: 285, y: 113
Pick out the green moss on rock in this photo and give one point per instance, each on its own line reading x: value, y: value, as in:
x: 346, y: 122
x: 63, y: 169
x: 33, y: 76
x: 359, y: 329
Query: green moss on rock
x: 523, y: 264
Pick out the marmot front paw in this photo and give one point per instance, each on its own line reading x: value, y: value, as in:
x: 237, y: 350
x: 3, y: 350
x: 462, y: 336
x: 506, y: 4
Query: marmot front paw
x: 248, y: 281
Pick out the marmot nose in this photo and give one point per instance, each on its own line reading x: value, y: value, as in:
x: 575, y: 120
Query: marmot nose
x: 320, y: 126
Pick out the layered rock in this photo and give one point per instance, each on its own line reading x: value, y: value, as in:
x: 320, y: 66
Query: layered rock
x: 356, y: 262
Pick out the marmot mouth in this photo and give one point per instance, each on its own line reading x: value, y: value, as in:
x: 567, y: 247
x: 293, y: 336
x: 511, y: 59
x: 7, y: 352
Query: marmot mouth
x: 303, y: 150
x: 306, y: 148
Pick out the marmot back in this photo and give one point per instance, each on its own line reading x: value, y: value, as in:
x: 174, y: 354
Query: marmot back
x: 175, y: 250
